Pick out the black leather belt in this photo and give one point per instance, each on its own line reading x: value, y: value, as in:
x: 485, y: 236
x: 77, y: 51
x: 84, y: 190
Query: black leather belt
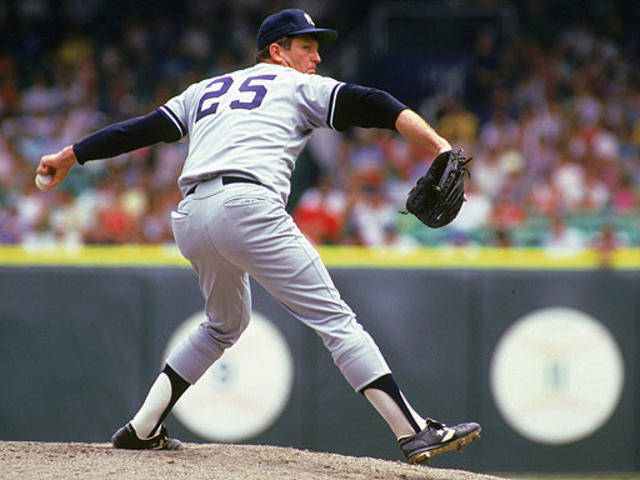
x: 226, y: 180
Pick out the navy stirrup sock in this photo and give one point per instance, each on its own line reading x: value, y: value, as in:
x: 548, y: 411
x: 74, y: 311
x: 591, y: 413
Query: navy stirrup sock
x: 178, y: 386
x: 387, y: 384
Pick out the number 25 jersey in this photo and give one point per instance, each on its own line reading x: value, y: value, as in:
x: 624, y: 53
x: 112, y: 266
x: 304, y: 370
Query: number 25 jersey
x: 252, y: 122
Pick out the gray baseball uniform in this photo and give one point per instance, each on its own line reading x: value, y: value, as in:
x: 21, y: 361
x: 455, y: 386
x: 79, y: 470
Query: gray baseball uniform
x: 246, y: 129
x: 252, y: 124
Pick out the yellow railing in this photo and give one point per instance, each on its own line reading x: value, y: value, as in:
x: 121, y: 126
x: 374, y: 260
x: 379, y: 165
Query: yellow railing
x: 334, y: 257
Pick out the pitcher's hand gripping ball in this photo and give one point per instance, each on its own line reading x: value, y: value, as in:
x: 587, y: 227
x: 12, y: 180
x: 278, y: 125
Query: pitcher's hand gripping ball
x: 42, y: 181
x: 437, y: 197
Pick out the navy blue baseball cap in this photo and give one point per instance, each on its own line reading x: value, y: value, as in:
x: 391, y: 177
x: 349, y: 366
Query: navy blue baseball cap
x: 288, y: 23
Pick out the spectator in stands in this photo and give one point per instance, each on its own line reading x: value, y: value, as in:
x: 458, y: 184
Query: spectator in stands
x: 501, y: 238
x: 476, y: 212
x: 483, y: 74
x: 459, y: 125
x: 626, y: 200
x: 507, y: 214
x: 320, y: 212
x: 607, y: 243
x: 564, y: 238
x: 373, y: 216
x: 553, y: 122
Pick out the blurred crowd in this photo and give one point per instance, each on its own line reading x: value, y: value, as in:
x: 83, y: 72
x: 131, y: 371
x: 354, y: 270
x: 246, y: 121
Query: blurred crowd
x: 553, y: 126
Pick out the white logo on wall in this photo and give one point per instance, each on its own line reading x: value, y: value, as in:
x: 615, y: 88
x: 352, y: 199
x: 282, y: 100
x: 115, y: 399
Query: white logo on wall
x: 557, y: 375
x: 245, y: 391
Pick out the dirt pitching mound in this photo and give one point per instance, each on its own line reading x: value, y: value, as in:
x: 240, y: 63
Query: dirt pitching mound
x: 20, y: 460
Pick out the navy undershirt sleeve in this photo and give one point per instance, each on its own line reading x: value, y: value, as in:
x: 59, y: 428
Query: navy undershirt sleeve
x: 366, y: 107
x: 126, y: 136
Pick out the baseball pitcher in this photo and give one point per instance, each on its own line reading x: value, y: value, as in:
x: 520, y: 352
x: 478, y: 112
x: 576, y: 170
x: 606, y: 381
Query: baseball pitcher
x: 246, y: 129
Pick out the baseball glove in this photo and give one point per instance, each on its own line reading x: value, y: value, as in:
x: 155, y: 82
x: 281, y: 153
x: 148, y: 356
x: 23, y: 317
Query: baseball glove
x: 437, y: 197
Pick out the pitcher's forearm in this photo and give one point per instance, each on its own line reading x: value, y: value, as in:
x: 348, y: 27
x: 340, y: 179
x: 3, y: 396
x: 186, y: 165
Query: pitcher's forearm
x: 417, y: 130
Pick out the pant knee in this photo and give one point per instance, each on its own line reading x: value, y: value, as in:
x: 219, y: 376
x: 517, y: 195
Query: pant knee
x: 225, y: 335
x: 203, y: 346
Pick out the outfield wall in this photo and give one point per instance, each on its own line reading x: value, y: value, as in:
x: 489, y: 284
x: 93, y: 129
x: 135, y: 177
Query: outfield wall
x: 544, y: 357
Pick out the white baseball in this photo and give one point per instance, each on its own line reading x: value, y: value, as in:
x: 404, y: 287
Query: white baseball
x: 42, y: 181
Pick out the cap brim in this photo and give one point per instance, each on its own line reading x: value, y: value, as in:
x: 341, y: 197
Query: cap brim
x: 324, y: 34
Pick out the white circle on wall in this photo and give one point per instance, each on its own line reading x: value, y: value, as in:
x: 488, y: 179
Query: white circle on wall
x: 557, y: 375
x: 245, y: 391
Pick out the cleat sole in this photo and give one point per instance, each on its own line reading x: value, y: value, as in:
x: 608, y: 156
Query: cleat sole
x: 422, y: 458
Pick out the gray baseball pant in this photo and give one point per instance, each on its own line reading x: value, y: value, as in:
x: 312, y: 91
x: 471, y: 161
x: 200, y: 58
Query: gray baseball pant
x: 228, y: 232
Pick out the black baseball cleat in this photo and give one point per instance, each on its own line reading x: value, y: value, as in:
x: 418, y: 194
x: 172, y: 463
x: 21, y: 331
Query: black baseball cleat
x: 436, y: 438
x: 127, y: 438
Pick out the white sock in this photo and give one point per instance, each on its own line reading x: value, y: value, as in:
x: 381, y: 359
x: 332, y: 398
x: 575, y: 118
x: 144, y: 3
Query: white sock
x: 154, y: 405
x: 422, y: 422
x: 392, y: 413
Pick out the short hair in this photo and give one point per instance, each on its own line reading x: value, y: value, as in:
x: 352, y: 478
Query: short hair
x: 264, y: 54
